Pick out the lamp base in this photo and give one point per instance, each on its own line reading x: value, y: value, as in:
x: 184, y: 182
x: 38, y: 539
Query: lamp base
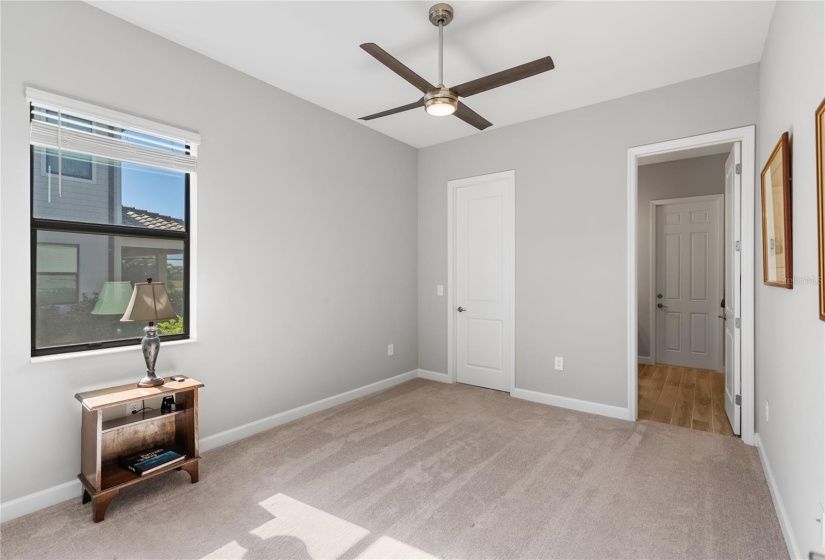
x: 150, y: 381
x: 150, y: 344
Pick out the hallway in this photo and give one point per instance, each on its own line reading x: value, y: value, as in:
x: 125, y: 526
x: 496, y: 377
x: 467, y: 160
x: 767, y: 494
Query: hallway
x: 686, y: 397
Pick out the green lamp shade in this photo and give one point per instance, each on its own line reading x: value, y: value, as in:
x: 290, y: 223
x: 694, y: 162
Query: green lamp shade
x: 114, y: 298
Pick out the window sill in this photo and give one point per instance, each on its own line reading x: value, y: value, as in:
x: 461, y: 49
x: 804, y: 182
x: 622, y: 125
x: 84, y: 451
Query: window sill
x: 103, y: 351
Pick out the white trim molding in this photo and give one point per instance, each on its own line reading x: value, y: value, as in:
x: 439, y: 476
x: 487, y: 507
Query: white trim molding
x: 244, y: 431
x: 781, y: 513
x: 71, y: 490
x: 645, y: 360
x: 434, y: 376
x: 452, y: 187
x: 39, y: 500
x: 572, y: 404
x: 747, y: 136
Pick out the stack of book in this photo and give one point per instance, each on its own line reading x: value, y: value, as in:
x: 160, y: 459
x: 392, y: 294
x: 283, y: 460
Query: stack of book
x: 150, y: 460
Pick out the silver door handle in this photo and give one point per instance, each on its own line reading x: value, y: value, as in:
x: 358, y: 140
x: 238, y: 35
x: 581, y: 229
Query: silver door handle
x: 660, y: 306
x: 724, y: 318
x: 461, y: 310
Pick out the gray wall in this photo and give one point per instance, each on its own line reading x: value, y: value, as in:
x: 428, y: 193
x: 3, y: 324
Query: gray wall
x: 307, y: 219
x: 790, y: 339
x: 571, y: 226
x: 672, y: 179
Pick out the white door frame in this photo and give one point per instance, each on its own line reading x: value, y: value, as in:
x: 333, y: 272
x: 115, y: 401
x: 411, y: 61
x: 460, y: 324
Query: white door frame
x: 652, y: 259
x: 747, y: 136
x: 510, y: 268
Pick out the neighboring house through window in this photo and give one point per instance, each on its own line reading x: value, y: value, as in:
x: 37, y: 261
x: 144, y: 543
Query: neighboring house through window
x: 110, y: 207
x: 57, y: 265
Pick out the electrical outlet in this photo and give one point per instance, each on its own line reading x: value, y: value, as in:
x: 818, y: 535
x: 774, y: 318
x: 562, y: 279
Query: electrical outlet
x: 767, y: 411
x: 132, y: 407
x: 559, y: 363
x: 390, y: 350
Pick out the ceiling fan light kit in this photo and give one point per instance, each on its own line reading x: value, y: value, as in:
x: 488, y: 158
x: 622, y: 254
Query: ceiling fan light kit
x: 441, y: 101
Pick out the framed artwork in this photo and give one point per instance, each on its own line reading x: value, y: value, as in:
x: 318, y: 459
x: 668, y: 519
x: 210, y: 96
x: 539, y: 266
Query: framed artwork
x: 820, y: 201
x: 777, y: 242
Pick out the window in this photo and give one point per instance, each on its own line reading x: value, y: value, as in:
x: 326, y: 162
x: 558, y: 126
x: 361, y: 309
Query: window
x: 109, y: 207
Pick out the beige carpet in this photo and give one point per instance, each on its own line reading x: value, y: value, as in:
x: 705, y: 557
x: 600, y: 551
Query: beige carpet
x: 427, y: 469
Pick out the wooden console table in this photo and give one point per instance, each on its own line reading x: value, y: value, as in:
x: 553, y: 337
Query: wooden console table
x: 101, y: 443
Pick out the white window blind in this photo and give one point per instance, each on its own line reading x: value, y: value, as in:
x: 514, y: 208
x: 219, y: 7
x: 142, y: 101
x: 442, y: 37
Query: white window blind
x: 65, y: 124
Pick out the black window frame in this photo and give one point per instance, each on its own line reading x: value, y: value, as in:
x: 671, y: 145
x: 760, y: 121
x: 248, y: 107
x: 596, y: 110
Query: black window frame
x: 63, y: 226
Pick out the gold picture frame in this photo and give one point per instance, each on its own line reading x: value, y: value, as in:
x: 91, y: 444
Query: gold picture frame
x: 777, y: 238
x: 820, y: 201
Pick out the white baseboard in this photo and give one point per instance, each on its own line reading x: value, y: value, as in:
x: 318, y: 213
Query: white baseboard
x: 39, y: 500
x: 645, y: 360
x: 234, y: 434
x: 433, y: 376
x: 573, y: 404
x: 69, y: 490
x: 784, y: 521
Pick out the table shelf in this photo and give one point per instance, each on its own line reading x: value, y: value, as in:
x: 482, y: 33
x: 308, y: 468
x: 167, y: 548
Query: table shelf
x: 114, y: 476
x: 132, y: 419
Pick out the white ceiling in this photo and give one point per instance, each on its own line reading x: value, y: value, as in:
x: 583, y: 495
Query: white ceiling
x: 602, y: 50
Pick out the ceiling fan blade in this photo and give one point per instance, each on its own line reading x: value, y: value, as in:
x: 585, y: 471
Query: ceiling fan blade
x: 504, y: 77
x: 396, y: 66
x: 417, y: 104
x: 471, y: 117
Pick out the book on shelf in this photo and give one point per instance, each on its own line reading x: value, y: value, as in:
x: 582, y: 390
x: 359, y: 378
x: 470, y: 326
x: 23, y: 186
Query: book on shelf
x: 150, y: 460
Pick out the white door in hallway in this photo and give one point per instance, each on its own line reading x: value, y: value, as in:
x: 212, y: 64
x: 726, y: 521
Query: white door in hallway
x: 688, y: 282
x: 484, y: 260
x: 733, y: 289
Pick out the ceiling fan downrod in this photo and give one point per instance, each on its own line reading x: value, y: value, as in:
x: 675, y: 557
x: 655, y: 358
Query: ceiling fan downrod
x: 441, y: 15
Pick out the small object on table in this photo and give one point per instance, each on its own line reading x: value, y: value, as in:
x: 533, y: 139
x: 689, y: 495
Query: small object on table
x: 168, y: 405
x: 151, y: 460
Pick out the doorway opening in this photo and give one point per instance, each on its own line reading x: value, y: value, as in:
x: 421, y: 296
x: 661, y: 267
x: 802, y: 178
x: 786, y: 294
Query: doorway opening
x: 691, y: 282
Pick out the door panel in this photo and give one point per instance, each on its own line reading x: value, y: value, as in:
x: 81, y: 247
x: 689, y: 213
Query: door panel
x: 673, y: 331
x: 484, y: 259
x: 480, y: 353
x: 688, y: 275
x: 698, y: 333
x: 733, y: 294
x: 699, y: 266
x: 673, y: 267
x: 484, y: 248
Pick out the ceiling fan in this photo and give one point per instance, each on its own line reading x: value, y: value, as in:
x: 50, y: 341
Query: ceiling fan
x: 440, y: 100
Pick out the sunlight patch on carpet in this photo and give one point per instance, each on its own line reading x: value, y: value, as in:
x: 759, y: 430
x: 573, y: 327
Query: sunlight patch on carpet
x: 324, y: 535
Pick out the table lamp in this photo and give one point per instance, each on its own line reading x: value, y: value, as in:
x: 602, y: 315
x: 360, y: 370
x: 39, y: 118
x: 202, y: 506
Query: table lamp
x: 150, y: 302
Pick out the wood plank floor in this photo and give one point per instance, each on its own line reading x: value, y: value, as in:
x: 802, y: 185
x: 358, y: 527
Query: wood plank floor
x: 691, y: 398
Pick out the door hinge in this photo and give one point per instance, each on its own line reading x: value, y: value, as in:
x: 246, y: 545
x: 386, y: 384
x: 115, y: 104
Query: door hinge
x: 738, y: 245
x: 738, y: 323
x: 738, y: 168
x: 738, y: 400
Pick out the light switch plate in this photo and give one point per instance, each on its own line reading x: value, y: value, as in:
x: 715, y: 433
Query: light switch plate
x: 439, y: 290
